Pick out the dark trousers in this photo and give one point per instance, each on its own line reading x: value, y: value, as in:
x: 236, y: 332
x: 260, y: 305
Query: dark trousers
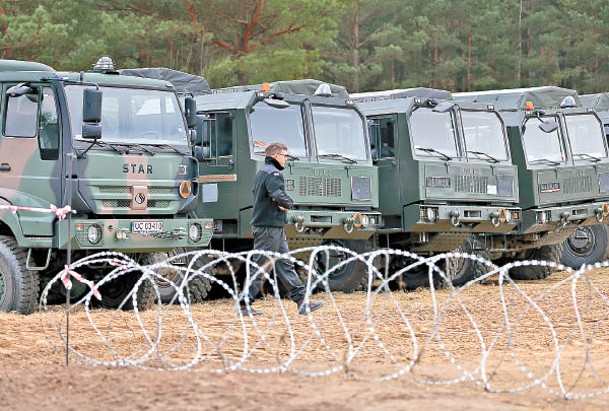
x: 268, y: 238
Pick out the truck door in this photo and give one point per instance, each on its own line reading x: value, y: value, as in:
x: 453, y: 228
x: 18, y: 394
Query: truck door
x: 219, y: 173
x: 29, y: 156
x: 383, y: 149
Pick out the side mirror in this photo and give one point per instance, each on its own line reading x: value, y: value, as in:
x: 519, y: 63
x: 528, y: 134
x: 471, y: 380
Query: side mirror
x: 202, y: 153
x: 91, y: 106
x: 202, y: 137
x: 91, y: 131
x: 20, y: 89
x: 444, y: 107
x: 276, y: 103
x: 548, y: 126
x: 190, y: 108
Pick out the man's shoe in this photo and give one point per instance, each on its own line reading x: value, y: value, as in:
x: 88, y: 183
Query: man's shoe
x: 246, y: 313
x: 312, y: 306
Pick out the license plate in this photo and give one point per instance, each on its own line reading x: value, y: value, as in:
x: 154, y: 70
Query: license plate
x: 146, y: 226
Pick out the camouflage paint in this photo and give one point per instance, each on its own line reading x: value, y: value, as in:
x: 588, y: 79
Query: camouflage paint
x: 104, y: 181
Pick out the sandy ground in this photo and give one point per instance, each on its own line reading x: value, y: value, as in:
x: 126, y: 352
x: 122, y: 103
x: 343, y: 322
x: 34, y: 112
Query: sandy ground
x: 546, y: 334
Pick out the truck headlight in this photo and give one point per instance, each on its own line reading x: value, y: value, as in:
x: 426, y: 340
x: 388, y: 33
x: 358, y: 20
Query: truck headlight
x: 195, y: 232
x: 365, y: 221
x: 94, y: 233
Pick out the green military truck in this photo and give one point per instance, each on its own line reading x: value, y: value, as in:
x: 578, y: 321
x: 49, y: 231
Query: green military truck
x: 446, y: 178
x: 123, y: 163
x: 563, y: 166
x: 329, y: 174
x: 590, y: 244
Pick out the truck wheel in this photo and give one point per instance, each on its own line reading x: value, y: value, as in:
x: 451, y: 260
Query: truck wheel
x: 459, y: 270
x: 198, y: 286
x: 463, y: 270
x: 348, y: 277
x: 587, y: 245
x: 18, y: 285
x: 115, y: 291
x: 550, y: 253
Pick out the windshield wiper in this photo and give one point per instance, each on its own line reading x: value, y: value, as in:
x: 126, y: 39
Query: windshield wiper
x: 588, y: 156
x: 482, y: 153
x: 159, y: 145
x: 544, y: 160
x: 433, y: 150
x: 101, y: 144
x: 291, y: 157
x: 332, y: 155
x: 140, y: 146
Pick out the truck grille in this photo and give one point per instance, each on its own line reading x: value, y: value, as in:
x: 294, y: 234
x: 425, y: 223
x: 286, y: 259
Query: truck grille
x: 577, y: 185
x: 127, y: 190
x: 125, y: 204
x: 320, y: 186
x: 471, y: 184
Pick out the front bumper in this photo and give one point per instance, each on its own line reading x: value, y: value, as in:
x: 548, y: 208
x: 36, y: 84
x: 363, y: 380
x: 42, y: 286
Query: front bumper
x: 334, y: 224
x: 555, y: 218
x: 436, y: 218
x: 134, y: 235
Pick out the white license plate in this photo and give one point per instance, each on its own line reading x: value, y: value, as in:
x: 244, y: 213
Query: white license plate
x: 146, y: 226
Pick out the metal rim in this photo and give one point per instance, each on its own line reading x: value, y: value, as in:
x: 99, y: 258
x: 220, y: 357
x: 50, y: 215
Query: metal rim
x: 583, y: 245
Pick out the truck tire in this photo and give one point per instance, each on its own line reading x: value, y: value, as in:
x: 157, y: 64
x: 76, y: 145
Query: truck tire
x: 197, y: 288
x: 18, y: 286
x: 587, y: 245
x: 463, y: 270
x: 468, y: 269
x: 550, y: 253
x: 351, y: 276
x: 114, y: 292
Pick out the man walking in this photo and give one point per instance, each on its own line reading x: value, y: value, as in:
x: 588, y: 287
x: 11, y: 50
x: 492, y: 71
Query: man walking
x: 270, y: 216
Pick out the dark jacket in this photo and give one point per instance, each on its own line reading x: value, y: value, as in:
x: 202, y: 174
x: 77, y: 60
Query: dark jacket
x: 269, y: 193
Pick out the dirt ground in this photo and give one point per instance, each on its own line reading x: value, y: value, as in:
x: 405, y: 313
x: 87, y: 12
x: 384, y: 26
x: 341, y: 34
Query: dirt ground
x: 530, y: 344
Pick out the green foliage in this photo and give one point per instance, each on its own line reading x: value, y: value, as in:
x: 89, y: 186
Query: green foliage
x: 364, y: 45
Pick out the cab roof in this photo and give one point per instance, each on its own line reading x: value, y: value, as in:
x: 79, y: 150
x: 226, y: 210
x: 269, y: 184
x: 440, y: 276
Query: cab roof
x: 421, y: 92
x: 548, y: 97
x: 107, y: 79
x: 303, y: 87
x: 17, y: 65
x: 598, y: 101
x: 183, y: 82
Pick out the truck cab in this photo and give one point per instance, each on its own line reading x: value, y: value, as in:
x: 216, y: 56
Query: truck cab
x: 329, y: 174
x: 115, y: 149
x: 446, y: 174
x: 563, y: 162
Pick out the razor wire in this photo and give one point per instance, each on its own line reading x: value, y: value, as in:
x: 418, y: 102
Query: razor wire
x: 381, y: 339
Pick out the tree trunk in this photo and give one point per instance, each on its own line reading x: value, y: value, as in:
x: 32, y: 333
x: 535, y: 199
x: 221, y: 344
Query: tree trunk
x: 355, y: 53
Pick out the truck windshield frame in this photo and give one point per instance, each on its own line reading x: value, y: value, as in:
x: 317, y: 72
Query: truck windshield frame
x: 484, y: 132
x: 282, y: 125
x: 435, y: 130
x: 340, y: 131
x: 133, y: 115
x: 542, y: 148
x: 586, y: 135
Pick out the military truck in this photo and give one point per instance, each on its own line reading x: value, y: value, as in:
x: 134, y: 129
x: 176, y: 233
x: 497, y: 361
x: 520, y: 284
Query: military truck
x: 446, y: 178
x: 590, y: 244
x: 563, y: 166
x: 122, y: 162
x: 329, y: 173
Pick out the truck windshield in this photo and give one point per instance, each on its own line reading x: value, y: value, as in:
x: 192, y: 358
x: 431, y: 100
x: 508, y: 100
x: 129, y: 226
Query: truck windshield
x: 133, y: 116
x: 586, y: 135
x: 282, y: 125
x: 484, y: 133
x: 433, y: 130
x: 541, y: 147
x: 339, y: 131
